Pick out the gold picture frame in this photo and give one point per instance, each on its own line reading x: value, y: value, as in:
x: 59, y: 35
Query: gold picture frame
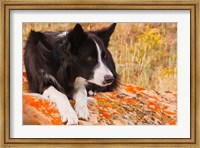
x: 7, y: 5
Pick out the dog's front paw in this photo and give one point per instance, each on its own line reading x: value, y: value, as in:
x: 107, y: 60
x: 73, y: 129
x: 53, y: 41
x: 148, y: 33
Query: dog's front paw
x: 69, y: 116
x: 67, y: 112
x: 82, y: 111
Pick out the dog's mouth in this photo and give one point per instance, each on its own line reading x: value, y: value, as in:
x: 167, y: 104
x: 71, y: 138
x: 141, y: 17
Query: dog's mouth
x: 103, y: 84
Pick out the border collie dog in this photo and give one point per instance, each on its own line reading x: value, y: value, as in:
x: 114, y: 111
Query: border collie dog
x: 73, y: 64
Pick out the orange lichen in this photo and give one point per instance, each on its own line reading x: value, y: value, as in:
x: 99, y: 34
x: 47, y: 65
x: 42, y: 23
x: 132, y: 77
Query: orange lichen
x: 129, y: 89
x: 100, y: 99
x: 170, y: 113
x: 104, y: 113
x: 44, y: 107
x: 25, y: 86
x: 172, y: 122
x: 108, y: 105
x: 130, y: 100
x: 151, y: 96
x: 174, y: 94
x: 138, y: 88
x: 153, y: 106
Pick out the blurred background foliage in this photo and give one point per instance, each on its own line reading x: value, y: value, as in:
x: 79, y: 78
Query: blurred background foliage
x: 145, y: 53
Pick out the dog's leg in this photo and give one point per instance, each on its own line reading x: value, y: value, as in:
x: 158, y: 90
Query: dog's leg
x: 80, y: 97
x: 63, y: 105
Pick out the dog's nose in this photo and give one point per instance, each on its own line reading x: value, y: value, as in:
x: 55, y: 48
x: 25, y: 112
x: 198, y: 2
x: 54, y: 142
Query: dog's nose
x: 108, y: 78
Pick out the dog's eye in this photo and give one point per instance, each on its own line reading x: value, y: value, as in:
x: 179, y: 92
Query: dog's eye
x: 89, y: 59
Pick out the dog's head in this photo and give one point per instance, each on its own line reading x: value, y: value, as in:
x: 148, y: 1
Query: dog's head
x: 93, y: 60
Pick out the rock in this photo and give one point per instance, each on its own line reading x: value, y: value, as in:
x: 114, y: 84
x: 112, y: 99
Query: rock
x: 117, y: 122
x: 33, y: 117
x: 82, y: 122
x: 110, y: 108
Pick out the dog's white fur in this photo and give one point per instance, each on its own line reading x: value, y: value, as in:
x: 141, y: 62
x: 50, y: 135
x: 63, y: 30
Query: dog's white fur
x: 80, y: 97
x: 62, y: 34
x: 101, y: 70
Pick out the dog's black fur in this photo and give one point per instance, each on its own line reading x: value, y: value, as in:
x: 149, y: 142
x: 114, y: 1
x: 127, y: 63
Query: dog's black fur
x: 53, y: 60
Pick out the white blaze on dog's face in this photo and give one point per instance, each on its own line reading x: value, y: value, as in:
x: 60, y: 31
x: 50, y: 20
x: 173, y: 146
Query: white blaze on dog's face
x: 102, y: 76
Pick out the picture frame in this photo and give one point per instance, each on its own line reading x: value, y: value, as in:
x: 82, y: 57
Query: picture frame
x: 7, y: 6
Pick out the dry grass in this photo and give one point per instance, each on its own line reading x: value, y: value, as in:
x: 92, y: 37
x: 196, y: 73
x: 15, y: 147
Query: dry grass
x: 145, y: 53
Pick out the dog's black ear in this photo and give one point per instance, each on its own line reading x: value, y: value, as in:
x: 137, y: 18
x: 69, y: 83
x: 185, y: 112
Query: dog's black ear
x: 105, y: 33
x: 76, y: 37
